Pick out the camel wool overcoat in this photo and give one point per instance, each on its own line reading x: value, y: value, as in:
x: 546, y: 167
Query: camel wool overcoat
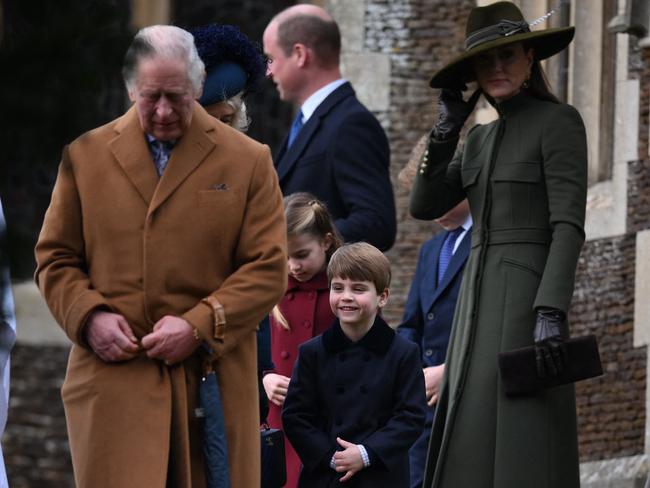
x: 525, y: 176
x: 117, y: 237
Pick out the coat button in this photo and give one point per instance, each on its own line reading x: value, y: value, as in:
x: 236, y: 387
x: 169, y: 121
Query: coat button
x: 340, y: 390
x: 307, y: 324
x: 284, y: 354
x: 430, y: 316
x: 428, y: 352
x: 311, y: 295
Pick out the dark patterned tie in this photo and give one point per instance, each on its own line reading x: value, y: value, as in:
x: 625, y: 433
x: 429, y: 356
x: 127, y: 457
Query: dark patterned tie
x: 295, y: 128
x: 160, y: 151
x: 447, y: 252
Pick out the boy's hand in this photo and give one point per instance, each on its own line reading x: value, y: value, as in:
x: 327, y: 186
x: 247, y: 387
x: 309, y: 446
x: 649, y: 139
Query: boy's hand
x: 348, y: 460
x: 432, y: 382
x: 275, y: 386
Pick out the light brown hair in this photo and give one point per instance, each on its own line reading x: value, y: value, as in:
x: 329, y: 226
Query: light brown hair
x: 360, y: 262
x: 305, y: 214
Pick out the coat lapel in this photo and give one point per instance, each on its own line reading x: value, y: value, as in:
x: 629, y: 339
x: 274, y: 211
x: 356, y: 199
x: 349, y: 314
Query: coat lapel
x: 287, y: 157
x: 131, y: 152
x: 454, y: 267
x: 188, y: 153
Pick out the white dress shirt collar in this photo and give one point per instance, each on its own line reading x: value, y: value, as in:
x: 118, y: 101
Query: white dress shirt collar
x: 315, y: 99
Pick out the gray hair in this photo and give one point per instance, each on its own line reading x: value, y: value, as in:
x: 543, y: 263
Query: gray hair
x: 167, y: 42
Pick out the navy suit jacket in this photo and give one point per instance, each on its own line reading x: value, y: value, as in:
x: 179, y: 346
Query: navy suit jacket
x: 341, y: 156
x: 429, y: 309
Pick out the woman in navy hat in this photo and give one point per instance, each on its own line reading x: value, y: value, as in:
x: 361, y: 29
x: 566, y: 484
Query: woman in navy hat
x: 525, y: 176
x: 234, y: 66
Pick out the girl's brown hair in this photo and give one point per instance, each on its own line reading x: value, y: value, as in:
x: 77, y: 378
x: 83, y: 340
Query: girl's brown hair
x: 305, y: 214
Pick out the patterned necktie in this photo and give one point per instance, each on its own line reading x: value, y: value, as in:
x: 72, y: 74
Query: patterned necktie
x: 295, y: 128
x: 447, y: 252
x: 160, y: 151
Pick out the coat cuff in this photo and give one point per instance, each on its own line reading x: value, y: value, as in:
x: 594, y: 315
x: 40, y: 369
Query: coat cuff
x: 75, y: 320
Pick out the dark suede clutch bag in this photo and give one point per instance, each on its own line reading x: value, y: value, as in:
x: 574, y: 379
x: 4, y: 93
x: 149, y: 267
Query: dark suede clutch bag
x: 519, y: 372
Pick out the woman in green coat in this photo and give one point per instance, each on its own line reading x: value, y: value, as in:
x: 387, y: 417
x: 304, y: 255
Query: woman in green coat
x: 525, y: 176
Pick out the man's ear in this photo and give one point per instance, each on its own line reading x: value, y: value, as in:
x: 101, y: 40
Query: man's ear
x: 302, y: 54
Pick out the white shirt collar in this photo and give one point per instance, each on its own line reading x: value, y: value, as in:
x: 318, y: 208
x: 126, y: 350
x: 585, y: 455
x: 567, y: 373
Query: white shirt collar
x: 466, y: 226
x: 315, y: 99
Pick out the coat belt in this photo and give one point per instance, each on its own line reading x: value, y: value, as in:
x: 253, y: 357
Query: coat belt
x: 510, y: 236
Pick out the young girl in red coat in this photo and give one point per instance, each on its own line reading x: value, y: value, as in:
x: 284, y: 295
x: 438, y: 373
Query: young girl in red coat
x: 304, y: 312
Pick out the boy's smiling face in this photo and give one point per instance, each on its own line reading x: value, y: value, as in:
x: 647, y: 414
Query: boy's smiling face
x: 356, y: 303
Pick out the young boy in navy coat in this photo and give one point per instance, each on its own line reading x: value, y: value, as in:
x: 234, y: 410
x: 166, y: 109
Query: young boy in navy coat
x: 356, y: 400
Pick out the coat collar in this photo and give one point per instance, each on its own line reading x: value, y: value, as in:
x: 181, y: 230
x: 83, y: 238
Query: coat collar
x: 378, y: 339
x: 317, y: 283
x: 130, y: 149
x: 287, y: 158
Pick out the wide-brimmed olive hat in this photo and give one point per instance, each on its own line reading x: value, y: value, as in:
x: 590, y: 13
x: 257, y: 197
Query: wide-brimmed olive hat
x: 493, y: 26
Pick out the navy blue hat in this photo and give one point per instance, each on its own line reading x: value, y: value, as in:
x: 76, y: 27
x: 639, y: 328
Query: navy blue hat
x: 232, y: 62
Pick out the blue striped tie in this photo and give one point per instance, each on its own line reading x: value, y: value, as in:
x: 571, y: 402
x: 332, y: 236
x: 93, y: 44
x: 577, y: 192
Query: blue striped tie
x: 295, y: 128
x: 447, y: 252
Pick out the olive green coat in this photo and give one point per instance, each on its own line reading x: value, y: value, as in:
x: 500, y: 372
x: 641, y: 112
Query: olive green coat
x: 525, y: 176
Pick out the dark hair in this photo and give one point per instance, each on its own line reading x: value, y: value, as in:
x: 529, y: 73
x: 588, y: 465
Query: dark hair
x: 306, y: 214
x: 360, y: 261
x: 538, y: 85
x: 319, y: 35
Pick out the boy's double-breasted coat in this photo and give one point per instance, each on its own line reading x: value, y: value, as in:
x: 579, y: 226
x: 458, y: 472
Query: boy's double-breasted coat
x: 115, y: 236
x: 370, y: 392
x: 525, y: 176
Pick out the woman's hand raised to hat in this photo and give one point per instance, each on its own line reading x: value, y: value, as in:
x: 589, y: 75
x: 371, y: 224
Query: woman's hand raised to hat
x: 453, y: 111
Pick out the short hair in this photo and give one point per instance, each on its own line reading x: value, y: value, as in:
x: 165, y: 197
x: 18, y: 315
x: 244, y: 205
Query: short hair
x: 320, y: 35
x: 305, y: 214
x: 167, y: 42
x: 360, y: 261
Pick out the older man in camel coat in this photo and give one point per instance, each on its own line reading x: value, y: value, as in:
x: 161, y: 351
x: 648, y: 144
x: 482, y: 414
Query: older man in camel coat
x: 165, y: 232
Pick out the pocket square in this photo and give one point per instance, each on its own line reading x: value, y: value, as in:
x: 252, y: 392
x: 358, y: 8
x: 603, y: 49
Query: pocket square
x: 220, y: 187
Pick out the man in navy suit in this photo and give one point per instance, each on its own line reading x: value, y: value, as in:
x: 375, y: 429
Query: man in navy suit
x: 429, y: 312
x: 336, y: 149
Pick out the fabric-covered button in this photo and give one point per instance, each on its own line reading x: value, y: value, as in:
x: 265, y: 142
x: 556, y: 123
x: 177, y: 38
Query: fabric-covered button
x: 284, y: 354
x: 307, y: 324
x: 311, y: 295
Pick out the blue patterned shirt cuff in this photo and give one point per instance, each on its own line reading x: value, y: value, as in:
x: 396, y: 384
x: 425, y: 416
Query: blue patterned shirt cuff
x: 332, y: 463
x: 364, y: 455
